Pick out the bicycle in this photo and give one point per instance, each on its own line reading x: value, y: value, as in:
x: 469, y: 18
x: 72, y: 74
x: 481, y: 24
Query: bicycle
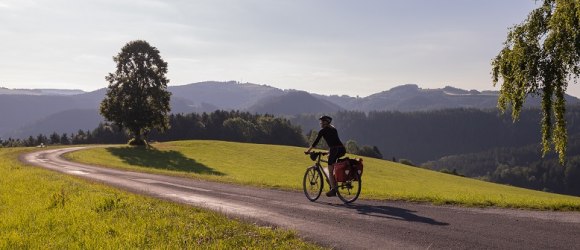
x: 348, y: 191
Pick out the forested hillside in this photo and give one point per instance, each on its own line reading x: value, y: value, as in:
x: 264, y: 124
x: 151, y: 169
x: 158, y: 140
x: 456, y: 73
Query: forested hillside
x: 430, y: 135
x: 293, y: 103
x: 519, y: 166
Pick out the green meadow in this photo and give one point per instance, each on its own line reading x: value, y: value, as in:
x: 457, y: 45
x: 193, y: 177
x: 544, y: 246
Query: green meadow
x: 282, y: 167
x: 41, y: 209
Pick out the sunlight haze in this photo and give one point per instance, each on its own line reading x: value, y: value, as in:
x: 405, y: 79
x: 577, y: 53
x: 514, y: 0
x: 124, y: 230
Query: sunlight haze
x: 326, y: 47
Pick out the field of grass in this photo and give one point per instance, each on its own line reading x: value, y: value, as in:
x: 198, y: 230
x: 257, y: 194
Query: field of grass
x: 40, y: 209
x: 283, y: 167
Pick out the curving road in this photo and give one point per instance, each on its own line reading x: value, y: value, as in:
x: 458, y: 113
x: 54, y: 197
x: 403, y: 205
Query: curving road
x: 363, y: 225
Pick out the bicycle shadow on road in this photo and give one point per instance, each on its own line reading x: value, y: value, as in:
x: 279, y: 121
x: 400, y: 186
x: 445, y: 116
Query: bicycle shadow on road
x: 394, y: 213
x: 168, y: 160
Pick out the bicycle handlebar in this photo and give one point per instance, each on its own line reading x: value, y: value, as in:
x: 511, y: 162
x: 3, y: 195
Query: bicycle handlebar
x: 314, y: 153
x: 315, y: 156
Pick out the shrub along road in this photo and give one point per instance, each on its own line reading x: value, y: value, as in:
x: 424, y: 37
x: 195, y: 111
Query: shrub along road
x: 365, y: 224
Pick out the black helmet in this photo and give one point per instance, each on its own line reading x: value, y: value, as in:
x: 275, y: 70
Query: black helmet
x: 325, y: 118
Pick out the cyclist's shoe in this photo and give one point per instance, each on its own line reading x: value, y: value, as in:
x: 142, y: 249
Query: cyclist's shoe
x: 331, y: 193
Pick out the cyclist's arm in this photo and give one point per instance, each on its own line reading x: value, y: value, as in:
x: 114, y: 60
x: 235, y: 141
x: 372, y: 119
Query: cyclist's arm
x: 317, y: 139
x: 315, y: 142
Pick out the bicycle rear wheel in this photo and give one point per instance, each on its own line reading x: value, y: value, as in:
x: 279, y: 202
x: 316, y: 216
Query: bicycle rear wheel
x: 349, y: 191
x: 312, y: 183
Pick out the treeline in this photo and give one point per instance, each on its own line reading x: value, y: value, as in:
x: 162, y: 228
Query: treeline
x: 81, y: 137
x: 218, y: 125
x: 519, y: 166
x: 232, y: 126
x: 430, y: 135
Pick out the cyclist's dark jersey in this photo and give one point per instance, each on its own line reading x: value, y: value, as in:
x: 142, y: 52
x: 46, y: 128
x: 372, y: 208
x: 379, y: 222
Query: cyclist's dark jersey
x: 330, y: 135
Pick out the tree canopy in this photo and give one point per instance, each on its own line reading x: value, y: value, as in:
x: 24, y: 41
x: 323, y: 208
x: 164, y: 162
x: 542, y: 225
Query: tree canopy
x: 137, y: 96
x: 540, y: 57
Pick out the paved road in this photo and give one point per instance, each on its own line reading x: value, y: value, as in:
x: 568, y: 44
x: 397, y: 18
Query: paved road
x: 363, y: 225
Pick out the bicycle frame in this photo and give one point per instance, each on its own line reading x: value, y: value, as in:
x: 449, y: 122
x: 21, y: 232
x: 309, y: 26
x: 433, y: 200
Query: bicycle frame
x: 319, y: 166
x: 351, y: 192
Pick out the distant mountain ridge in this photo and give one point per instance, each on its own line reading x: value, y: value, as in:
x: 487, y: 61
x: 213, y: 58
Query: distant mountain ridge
x: 410, y: 97
x: 23, y: 110
x: 61, y: 92
x: 224, y: 95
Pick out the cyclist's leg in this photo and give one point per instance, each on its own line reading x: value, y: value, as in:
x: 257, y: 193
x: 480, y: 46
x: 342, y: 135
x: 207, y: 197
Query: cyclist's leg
x: 332, y: 157
x: 341, y: 152
x: 331, y: 176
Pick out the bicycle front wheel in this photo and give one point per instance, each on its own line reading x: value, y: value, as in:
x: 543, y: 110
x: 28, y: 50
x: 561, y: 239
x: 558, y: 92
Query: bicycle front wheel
x: 349, y: 191
x: 312, y: 183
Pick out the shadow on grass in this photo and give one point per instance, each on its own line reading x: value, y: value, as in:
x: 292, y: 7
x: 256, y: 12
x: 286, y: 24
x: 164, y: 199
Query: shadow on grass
x: 393, y: 213
x: 167, y: 160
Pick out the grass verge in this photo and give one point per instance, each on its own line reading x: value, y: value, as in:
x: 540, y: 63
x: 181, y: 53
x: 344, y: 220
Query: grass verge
x: 41, y: 209
x: 283, y: 167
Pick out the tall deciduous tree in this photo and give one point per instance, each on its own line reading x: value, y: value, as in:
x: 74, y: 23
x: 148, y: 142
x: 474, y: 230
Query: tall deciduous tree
x: 540, y: 57
x: 137, y: 96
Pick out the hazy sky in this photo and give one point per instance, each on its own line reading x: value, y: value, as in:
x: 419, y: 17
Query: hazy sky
x: 328, y: 47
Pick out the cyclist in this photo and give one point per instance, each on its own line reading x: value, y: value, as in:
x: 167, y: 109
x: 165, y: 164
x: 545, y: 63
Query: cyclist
x: 337, y: 150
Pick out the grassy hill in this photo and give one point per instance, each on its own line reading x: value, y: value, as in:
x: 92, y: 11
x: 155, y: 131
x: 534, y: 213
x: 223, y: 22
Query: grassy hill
x: 41, y: 209
x: 283, y: 167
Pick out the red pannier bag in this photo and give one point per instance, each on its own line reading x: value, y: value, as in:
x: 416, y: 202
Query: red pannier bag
x: 344, y: 169
x: 356, y: 165
x: 341, y: 171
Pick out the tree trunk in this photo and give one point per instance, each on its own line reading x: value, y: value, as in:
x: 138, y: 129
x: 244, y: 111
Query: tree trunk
x: 137, y: 138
